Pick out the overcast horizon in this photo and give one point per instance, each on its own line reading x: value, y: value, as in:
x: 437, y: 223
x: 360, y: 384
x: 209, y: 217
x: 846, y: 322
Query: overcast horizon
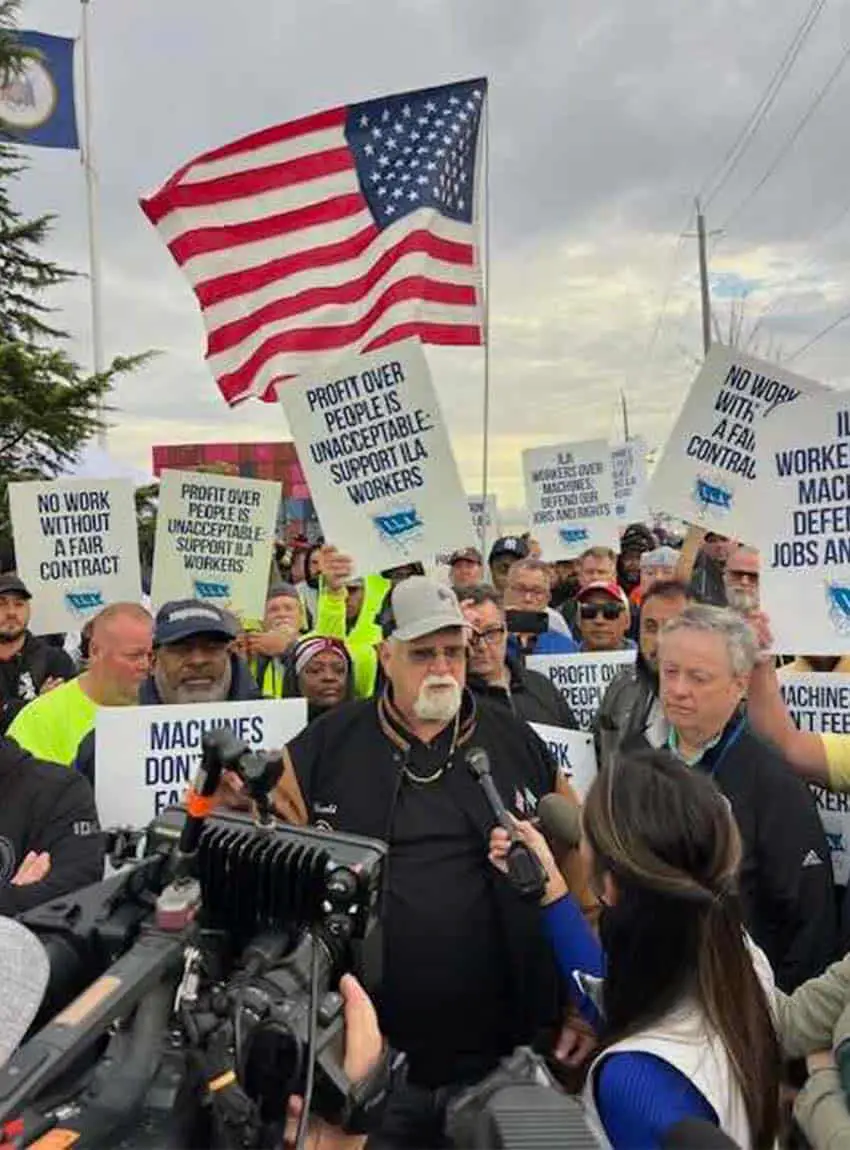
x: 604, y: 124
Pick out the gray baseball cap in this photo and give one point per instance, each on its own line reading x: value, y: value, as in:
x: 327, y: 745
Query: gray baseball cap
x: 420, y: 606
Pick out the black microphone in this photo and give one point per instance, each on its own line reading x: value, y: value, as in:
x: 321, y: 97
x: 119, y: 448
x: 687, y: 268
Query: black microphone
x: 525, y: 869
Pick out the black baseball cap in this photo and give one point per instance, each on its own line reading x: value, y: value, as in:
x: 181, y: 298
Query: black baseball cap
x: 11, y: 584
x: 509, y: 545
x: 183, y: 618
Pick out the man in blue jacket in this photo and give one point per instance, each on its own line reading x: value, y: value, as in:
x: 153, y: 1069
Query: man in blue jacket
x: 527, y: 593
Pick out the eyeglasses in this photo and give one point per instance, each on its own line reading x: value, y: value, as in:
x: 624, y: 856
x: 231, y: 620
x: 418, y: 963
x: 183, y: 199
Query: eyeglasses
x: 743, y: 576
x: 609, y: 611
x: 524, y: 591
x: 490, y: 636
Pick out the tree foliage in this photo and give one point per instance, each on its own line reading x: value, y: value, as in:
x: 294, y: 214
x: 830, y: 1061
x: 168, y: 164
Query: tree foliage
x: 49, y: 406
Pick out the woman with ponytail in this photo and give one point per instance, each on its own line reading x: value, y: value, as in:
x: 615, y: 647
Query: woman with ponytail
x: 680, y: 998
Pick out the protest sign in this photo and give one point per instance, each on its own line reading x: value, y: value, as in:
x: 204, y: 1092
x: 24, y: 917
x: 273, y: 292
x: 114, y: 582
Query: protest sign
x: 582, y: 678
x: 569, y: 491
x: 214, y: 537
x: 803, y: 525
x: 707, y: 471
x: 574, y: 753
x: 147, y: 756
x: 76, y: 548
x: 485, y: 517
x: 628, y: 464
x: 378, y: 460
x: 821, y: 703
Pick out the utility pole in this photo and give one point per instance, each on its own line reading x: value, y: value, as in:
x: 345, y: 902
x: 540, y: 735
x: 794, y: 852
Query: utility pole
x: 703, y: 280
x: 625, y: 416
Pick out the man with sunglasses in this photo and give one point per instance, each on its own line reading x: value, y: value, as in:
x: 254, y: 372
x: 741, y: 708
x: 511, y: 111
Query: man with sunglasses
x: 603, y: 618
x: 496, y: 675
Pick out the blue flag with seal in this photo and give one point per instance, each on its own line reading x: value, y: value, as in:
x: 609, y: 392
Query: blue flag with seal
x: 37, y: 104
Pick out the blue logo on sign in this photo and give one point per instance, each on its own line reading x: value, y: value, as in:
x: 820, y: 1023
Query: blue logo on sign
x: 398, y: 526
x: 835, y: 841
x: 712, y: 495
x: 838, y: 601
x: 84, y: 602
x: 573, y: 534
x: 207, y: 590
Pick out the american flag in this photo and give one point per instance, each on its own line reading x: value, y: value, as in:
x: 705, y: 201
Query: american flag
x: 337, y: 233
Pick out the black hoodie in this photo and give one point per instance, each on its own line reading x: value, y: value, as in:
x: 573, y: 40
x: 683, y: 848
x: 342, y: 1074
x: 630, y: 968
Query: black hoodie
x: 50, y: 808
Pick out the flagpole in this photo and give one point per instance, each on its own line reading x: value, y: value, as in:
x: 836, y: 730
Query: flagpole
x: 485, y: 461
x: 92, y: 211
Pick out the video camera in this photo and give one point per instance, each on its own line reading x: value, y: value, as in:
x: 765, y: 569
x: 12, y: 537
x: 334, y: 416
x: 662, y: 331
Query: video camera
x: 196, y: 988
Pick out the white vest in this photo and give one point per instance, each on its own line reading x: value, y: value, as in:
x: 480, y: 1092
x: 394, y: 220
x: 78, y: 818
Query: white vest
x: 685, y: 1041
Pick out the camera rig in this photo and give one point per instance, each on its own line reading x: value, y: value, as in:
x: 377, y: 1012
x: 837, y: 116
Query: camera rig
x: 199, y: 982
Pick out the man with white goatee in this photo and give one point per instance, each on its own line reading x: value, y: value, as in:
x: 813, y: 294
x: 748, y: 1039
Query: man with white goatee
x: 466, y: 973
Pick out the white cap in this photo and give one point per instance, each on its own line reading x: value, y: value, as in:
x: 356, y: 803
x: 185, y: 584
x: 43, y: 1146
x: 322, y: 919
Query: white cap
x: 421, y: 606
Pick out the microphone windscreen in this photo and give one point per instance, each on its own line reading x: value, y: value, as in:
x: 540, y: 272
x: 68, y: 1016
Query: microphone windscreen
x: 24, y: 973
x: 478, y: 761
x: 560, y: 821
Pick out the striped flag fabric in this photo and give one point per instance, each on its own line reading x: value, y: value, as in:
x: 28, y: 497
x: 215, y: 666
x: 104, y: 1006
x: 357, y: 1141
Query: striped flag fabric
x: 338, y: 233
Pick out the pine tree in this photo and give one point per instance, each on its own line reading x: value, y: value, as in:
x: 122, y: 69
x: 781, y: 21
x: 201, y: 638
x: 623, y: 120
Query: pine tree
x: 49, y: 406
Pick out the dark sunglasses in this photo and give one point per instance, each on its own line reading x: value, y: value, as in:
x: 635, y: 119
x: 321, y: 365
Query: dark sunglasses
x: 609, y: 611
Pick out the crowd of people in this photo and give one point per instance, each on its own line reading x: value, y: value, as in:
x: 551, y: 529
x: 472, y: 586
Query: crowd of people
x: 686, y: 961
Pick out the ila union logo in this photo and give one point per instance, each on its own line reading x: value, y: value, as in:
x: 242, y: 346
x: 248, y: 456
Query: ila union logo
x: 714, y: 496
x: 83, y: 602
x: 399, y: 526
x: 838, y: 603
x: 573, y: 534
x: 206, y: 590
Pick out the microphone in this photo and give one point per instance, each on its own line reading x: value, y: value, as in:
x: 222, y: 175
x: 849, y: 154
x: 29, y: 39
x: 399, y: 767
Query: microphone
x: 560, y: 822
x: 525, y: 870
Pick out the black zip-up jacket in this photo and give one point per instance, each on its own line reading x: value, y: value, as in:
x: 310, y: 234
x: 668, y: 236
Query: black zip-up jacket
x: 529, y: 695
x: 786, y: 872
x: 45, y: 807
x: 22, y: 676
x: 625, y: 710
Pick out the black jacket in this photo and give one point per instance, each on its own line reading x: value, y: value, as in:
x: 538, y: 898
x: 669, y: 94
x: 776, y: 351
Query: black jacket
x: 50, y: 808
x: 242, y: 686
x: 530, y: 696
x: 625, y: 711
x: 467, y: 973
x: 786, y: 872
x: 21, y: 677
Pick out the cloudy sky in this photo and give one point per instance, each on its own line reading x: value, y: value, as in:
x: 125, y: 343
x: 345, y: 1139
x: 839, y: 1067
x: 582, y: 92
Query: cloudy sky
x: 606, y: 120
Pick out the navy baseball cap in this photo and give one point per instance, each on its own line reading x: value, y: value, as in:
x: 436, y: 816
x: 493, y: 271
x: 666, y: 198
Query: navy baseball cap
x: 509, y: 545
x: 183, y: 618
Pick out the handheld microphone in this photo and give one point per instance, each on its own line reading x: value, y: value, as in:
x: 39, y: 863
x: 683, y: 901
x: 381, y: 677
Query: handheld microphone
x: 696, y: 1134
x: 525, y: 870
x: 560, y: 822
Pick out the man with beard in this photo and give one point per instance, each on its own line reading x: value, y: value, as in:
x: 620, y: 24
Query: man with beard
x: 741, y: 578
x: 702, y: 563
x: 630, y: 707
x: 29, y: 666
x: 193, y: 662
x: 466, y: 976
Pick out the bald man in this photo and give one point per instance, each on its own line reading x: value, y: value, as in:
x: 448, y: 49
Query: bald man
x: 52, y: 726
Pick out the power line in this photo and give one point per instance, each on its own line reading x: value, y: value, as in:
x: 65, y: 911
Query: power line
x: 712, y: 186
x: 817, y: 338
x: 792, y: 139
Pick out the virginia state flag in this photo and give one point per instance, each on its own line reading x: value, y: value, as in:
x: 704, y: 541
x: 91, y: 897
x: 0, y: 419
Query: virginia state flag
x: 37, y: 104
